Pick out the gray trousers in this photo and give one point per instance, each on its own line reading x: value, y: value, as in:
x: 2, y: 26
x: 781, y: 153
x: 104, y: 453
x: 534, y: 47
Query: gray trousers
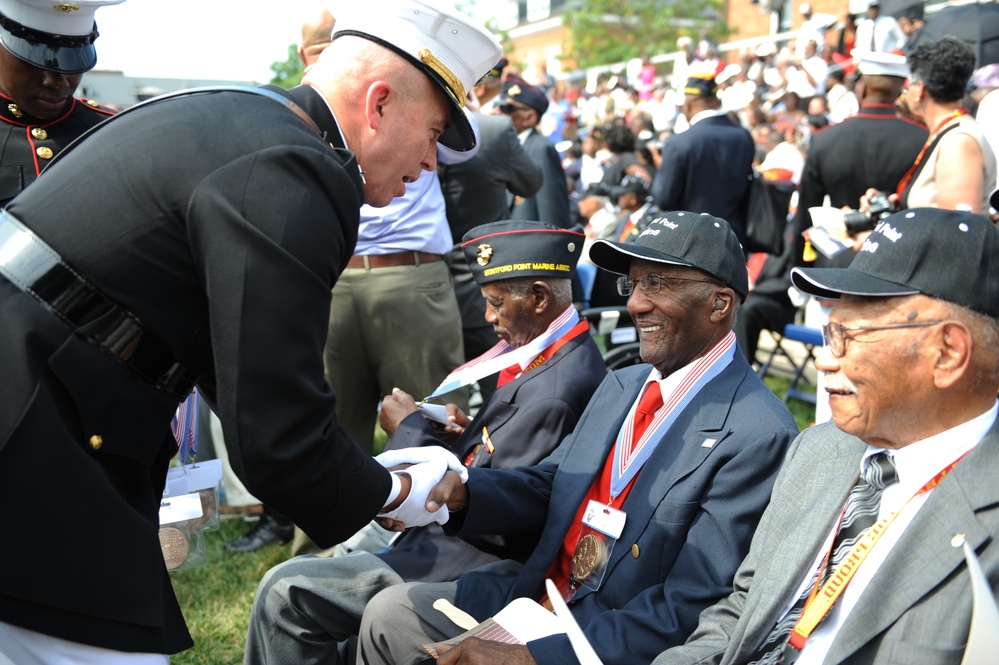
x: 399, y: 620
x: 307, y: 605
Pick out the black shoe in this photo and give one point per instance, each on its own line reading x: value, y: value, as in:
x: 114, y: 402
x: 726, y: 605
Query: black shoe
x: 268, y: 530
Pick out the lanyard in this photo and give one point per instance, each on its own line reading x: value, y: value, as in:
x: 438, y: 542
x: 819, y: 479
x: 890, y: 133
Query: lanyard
x: 185, y: 428
x: 821, y: 601
x: 930, y: 140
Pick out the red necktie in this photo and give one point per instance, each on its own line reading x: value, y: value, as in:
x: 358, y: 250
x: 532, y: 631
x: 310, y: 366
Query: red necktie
x: 508, y: 375
x: 652, y: 401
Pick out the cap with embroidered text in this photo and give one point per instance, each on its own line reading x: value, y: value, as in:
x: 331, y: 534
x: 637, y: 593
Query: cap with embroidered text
x: 945, y: 254
x: 681, y: 238
x: 445, y: 44
x: 510, y: 249
x: 56, y: 36
x: 877, y: 63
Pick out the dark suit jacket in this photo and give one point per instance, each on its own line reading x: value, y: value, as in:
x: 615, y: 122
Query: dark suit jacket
x: 527, y: 418
x: 872, y: 149
x: 476, y: 191
x: 690, y: 515
x: 223, y: 231
x: 917, y: 608
x: 707, y: 169
x: 551, y: 203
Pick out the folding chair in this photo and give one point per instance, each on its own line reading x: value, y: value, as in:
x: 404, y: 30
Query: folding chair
x: 809, y: 338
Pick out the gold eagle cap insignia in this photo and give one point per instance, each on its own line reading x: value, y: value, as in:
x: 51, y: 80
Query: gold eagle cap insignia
x: 66, y: 7
x: 483, y: 254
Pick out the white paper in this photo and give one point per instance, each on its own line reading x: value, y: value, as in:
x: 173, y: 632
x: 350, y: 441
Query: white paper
x: 584, y: 650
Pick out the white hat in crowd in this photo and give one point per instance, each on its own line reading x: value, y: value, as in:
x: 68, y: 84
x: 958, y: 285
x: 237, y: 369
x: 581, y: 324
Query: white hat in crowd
x: 877, y: 63
x: 444, y: 43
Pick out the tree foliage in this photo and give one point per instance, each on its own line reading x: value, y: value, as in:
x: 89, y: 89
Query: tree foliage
x: 606, y: 31
x: 288, y: 74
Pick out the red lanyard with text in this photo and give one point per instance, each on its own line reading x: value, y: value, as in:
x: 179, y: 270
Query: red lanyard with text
x: 577, y: 330
x: 822, y: 600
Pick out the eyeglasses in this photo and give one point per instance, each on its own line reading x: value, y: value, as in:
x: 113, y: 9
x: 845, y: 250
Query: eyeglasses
x: 834, y: 334
x: 908, y: 84
x: 651, y: 283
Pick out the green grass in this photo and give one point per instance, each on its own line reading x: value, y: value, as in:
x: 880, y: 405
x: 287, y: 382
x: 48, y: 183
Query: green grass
x: 216, y: 598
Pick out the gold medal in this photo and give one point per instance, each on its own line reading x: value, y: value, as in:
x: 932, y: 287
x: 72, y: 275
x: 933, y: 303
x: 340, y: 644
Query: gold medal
x: 586, y: 557
x: 175, y: 547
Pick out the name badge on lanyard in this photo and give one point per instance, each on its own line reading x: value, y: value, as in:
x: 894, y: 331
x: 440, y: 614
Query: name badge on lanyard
x: 602, y: 526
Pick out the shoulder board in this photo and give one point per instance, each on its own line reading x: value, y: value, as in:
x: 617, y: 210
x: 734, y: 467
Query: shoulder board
x: 99, y: 108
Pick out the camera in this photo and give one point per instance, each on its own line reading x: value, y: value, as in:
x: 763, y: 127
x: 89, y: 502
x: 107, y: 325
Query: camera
x: 865, y: 220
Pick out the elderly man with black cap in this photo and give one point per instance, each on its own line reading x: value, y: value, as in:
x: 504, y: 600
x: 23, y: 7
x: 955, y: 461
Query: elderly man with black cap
x: 525, y: 104
x: 47, y: 47
x: 189, y: 242
x: 549, y: 367
x: 860, y: 557
x: 707, y: 168
x: 643, y: 512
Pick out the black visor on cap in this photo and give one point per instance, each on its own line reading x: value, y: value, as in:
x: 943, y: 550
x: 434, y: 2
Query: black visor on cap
x: 616, y: 257
x: 994, y: 198
x: 831, y: 283
x: 57, y: 53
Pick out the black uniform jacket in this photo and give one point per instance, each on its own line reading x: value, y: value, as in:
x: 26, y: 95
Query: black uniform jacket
x: 221, y: 221
x: 871, y: 149
x: 27, y: 144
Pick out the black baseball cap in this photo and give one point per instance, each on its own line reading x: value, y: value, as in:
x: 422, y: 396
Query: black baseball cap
x: 681, y: 238
x: 945, y: 254
x: 631, y: 184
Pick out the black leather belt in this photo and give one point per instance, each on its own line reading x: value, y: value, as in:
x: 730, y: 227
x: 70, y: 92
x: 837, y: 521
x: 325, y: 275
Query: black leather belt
x: 34, y: 267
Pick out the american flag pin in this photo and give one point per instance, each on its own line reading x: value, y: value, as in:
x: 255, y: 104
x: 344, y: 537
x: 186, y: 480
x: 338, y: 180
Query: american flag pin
x: 708, y: 443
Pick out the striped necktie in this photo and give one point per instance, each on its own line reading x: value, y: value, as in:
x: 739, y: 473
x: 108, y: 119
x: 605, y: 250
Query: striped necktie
x: 860, y: 514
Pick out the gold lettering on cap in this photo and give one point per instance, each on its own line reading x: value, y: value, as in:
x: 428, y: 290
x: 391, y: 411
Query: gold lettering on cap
x: 66, y: 7
x: 452, y: 83
x: 483, y: 254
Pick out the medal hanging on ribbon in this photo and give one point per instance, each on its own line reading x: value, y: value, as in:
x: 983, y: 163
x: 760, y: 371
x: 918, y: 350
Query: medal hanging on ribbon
x: 185, y: 428
x: 602, y: 526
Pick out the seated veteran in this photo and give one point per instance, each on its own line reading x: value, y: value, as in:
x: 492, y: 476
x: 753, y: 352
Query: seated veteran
x: 679, y: 454
x: 861, y: 556
x: 548, y: 367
